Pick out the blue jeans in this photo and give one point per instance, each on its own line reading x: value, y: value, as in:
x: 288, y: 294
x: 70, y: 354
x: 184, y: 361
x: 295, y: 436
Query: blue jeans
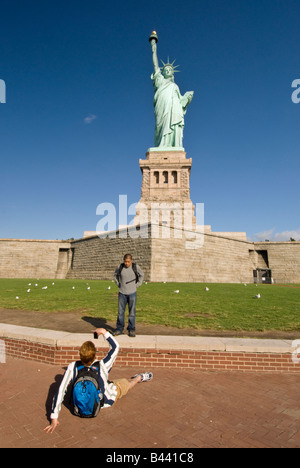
x: 125, y: 299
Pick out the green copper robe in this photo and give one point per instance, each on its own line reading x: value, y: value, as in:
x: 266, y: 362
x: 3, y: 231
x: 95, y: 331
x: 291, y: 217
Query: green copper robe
x: 169, y: 111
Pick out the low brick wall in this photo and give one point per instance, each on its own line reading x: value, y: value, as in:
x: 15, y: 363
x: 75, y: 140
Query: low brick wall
x: 208, y: 361
x: 148, y: 352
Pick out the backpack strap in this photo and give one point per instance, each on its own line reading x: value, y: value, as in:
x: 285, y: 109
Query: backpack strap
x: 134, y: 268
x: 135, y: 272
x: 96, y: 366
x: 78, y: 366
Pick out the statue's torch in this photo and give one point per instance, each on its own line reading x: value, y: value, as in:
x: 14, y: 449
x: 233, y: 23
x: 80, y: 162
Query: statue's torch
x: 153, y: 37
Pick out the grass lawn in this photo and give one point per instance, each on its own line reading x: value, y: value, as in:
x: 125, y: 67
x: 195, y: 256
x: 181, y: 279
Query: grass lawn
x: 223, y: 307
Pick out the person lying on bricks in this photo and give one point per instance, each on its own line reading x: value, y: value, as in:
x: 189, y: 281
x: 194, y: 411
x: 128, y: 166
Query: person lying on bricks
x: 91, y: 389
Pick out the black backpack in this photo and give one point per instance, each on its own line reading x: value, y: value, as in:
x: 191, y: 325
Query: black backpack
x: 87, y: 396
x: 134, y: 268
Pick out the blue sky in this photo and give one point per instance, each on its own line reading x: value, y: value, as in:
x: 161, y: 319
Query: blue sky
x: 79, y: 110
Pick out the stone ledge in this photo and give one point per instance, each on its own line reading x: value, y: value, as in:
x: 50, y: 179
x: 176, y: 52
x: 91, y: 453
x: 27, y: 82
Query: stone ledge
x: 42, y: 241
x: 64, y: 339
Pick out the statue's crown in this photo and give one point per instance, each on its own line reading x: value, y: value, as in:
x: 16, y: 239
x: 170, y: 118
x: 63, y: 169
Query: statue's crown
x: 168, y: 64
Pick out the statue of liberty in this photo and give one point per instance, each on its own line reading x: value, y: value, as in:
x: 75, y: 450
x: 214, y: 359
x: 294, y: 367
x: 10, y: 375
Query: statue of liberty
x: 169, y: 106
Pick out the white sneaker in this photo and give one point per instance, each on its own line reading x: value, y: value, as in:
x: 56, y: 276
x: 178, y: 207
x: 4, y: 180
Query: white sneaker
x: 146, y: 377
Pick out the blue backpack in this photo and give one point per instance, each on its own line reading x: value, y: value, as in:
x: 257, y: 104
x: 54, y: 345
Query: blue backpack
x: 87, y: 395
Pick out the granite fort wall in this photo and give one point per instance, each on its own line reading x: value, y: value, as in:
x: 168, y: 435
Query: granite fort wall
x: 218, y: 258
x: 169, y: 256
x: 283, y: 260
x: 34, y: 258
x: 98, y: 257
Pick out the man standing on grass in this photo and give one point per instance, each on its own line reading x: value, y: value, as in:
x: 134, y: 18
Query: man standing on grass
x: 128, y: 277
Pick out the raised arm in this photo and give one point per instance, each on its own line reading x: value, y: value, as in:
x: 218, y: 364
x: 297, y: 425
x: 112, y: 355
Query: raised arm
x: 113, y: 348
x: 153, y: 41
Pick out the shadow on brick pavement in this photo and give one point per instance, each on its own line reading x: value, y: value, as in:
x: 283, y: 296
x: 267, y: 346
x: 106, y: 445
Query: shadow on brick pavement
x: 178, y: 409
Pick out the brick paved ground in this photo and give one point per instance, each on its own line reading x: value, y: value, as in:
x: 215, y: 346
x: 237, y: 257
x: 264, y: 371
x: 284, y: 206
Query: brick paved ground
x: 178, y: 409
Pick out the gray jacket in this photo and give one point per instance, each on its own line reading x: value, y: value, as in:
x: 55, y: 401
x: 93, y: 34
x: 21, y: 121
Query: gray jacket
x: 128, y: 284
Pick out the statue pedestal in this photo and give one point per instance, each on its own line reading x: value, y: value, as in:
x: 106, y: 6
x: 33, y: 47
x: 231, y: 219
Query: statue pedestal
x: 165, y: 188
x: 159, y: 149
